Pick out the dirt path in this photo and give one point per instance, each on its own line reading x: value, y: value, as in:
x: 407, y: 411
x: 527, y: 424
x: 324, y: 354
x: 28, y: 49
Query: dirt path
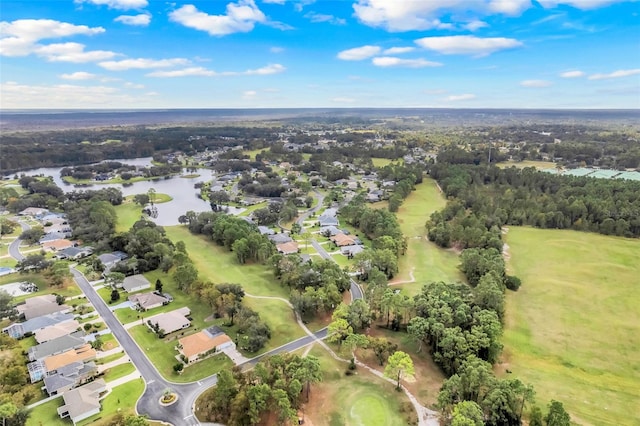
x: 411, y: 279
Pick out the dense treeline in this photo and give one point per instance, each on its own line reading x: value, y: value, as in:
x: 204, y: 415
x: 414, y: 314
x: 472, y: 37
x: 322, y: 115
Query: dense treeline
x: 276, y: 387
x: 233, y: 233
x: 315, y: 287
x: 483, y: 199
x: 15, y: 393
x: 92, y: 216
x: 62, y: 148
x: 125, y: 171
x: 406, y: 178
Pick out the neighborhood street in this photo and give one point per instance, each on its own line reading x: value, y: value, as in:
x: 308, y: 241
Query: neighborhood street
x: 14, y: 247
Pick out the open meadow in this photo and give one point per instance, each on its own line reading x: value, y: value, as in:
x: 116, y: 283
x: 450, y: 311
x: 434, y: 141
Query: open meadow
x: 424, y: 261
x: 573, y: 328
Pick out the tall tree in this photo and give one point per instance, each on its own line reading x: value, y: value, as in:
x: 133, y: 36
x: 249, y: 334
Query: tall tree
x: 399, y: 365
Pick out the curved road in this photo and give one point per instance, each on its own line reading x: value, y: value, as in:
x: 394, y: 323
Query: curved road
x: 14, y: 247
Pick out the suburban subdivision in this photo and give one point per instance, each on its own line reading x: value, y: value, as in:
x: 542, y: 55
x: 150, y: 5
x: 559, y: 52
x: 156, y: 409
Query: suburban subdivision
x: 324, y: 272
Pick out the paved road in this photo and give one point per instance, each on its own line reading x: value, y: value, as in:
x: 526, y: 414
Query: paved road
x: 356, y: 290
x: 14, y: 247
x: 180, y: 413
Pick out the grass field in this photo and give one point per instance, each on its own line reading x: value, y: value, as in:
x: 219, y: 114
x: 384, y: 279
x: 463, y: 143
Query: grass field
x: 358, y: 400
x: 127, y: 215
x: 573, y: 328
x: 381, y: 162
x: 427, y: 261
x: 118, y: 371
x: 68, y: 290
x: 528, y: 163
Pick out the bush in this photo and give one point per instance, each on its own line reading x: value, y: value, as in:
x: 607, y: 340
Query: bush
x: 87, y: 327
x: 512, y: 282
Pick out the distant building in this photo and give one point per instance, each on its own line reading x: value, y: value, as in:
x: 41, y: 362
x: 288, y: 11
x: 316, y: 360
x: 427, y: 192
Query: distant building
x: 280, y: 238
x: 287, y: 248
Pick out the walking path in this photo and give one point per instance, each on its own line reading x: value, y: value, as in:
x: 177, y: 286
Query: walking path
x: 411, y: 279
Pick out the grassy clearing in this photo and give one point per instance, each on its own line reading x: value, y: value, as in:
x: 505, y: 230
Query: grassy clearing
x: 216, y: 264
x: 68, y: 290
x: 109, y: 358
x: 127, y: 215
x: 381, y: 162
x: 358, y: 400
x: 252, y: 153
x: 427, y: 261
x: 253, y: 208
x: 47, y: 414
x: 159, y: 198
x: 528, y: 163
x: 572, y: 330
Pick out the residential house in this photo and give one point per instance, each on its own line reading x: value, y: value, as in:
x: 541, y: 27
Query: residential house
x: 6, y: 271
x: 74, y: 253
x: 171, y: 321
x: 342, y: 240
x: 53, y: 237
x: 265, y: 230
x: 49, y: 366
x: 56, y: 245
x: 200, y: 344
x: 280, y: 238
x: 147, y: 301
x: 109, y: 260
x: 351, y: 251
x: 135, y: 283
x: 56, y: 346
x: 329, y: 218
x: 70, y: 376
x: 20, y: 329
x: 83, y: 402
x: 56, y: 330
x: 40, y: 305
x: 34, y: 212
x: 287, y: 248
x: 329, y: 231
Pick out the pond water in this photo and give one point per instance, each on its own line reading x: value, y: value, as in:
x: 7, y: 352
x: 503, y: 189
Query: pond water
x: 181, y: 189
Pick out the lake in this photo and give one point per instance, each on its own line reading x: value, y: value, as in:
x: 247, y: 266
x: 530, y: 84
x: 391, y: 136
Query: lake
x: 179, y: 188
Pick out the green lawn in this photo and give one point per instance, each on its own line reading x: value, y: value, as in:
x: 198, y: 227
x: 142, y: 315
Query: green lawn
x: 358, y: 400
x: 43, y: 285
x: 252, y: 153
x: 162, y: 354
x: 122, y: 399
x: 118, y: 371
x: 159, y: 198
x: 427, y: 261
x: 251, y: 209
x: 47, y: 415
x: 110, y: 358
x: 528, y: 163
x: 128, y: 214
x: 217, y: 265
x: 573, y: 328
x: 381, y: 162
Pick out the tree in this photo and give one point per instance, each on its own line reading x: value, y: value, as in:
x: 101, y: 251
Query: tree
x: 339, y: 330
x: 535, y: 419
x: 296, y: 228
x: 59, y: 299
x: 114, y: 279
x: 141, y: 199
x: 33, y: 263
x: 178, y: 367
x: 7, y: 226
x: 185, y: 275
x: 151, y: 193
x: 382, y: 348
x: 115, y: 295
x: 557, y: 416
x: 399, y: 365
x: 32, y: 236
x: 135, y: 421
x: 7, y: 309
x: 159, y: 285
x: 467, y: 413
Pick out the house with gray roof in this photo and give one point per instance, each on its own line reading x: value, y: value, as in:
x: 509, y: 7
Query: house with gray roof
x: 83, y: 402
x: 328, y: 218
x: 40, y: 305
x: 69, y: 377
x: 54, y: 236
x: 145, y: 301
x: 265, y: 230
x: 56, y: 346
x: 135, y: 283
x: 280, y: 238
x: 74, y: 253
x: 19, y: 329
x: 171, y: 321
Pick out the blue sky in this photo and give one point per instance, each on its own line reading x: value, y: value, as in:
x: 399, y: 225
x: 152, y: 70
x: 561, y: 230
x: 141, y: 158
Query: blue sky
x: 306, y: 53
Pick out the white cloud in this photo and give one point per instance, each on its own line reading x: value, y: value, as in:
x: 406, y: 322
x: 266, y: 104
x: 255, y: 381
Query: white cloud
x: 398, y: 15
x: 535, y: 83
x: 509, y: 7
x: 249, y: 94
x: 276, y: 49
x: 129, y: 85
x: 359, y: 53
x: 343, y: 100
x: 274, y: 1
x: 141, y: 20
x: 463, y: 97
x: 72, y: 52
x: 579, y: 4
x: 398, y: 50
x: 117, y: 4
x: 572, y: 74
x: 142, y: 63
x: 204, y: 72
x: 319, y: 17
x: 475, y: 25
x: 19, y: 38
x: 467, y: 45
x: 15, y: 95
x: 615, y: 74
x: 266, y: 70
x: 79, y: 75
x: 391, y: 61
x: 240, y: 17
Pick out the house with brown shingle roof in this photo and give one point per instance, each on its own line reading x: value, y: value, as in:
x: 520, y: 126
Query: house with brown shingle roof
x: 56, y: 245
x: 56, y: 330
x: 342, y: 240
x: 287, y: 248
x: 198, y: 345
